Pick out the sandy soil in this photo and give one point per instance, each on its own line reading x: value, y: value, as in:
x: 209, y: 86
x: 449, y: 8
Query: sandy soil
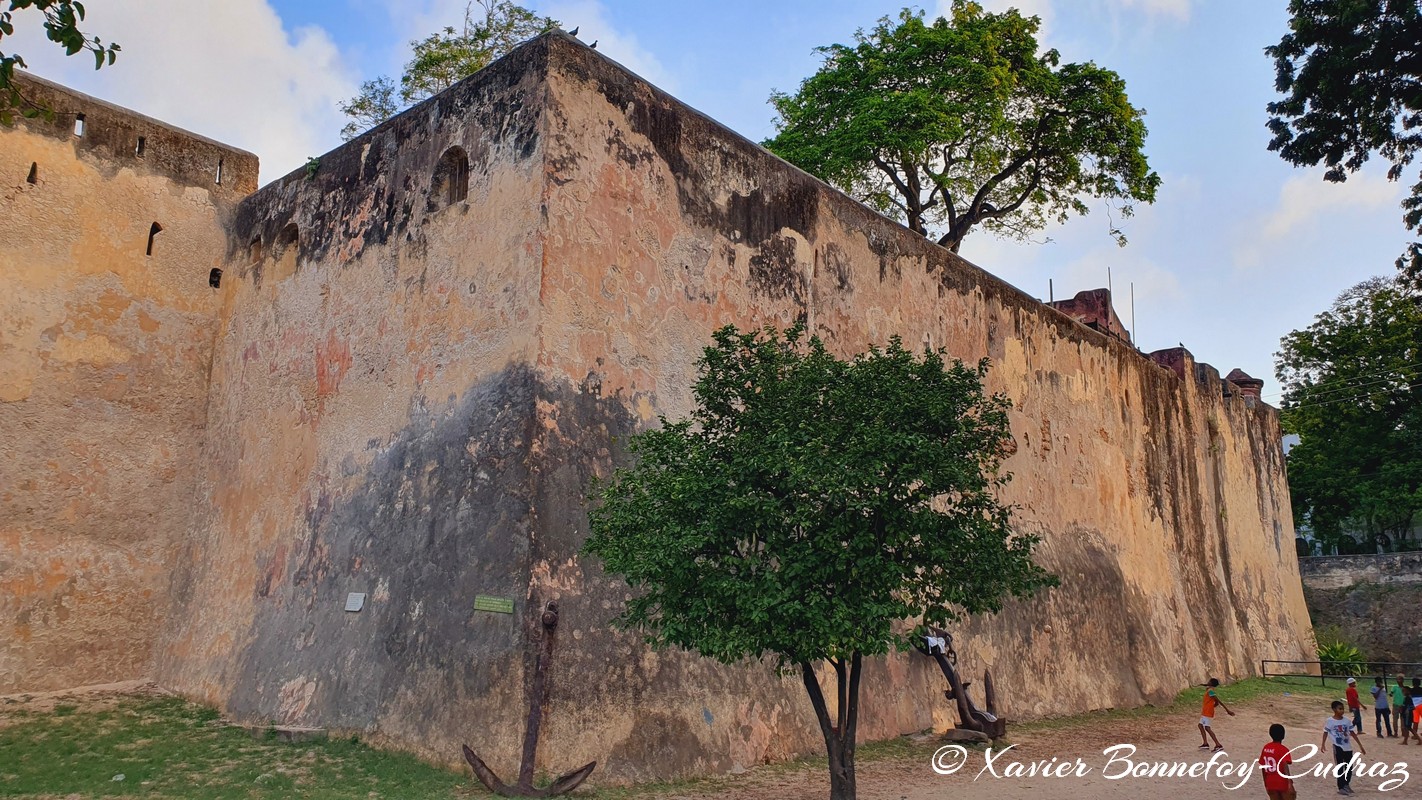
x: 1171, y: 739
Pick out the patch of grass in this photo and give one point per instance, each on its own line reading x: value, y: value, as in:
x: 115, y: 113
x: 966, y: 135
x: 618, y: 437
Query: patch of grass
x: 165, y: 747
x: 168, y: 748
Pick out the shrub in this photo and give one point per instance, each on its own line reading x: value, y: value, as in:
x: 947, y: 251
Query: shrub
x: 1341, y: 658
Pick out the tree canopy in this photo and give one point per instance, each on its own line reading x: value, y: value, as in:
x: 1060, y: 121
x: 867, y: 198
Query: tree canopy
x: 1349, y: 71
x: 61, y: 26
x: 1352, y: 386
x: 961, y: 122
x: 809, y: 506
x: 443, y: 59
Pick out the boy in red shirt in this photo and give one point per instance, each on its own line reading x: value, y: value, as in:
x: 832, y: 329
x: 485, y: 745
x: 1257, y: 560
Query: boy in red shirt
x: 1275, y: 761
x: 1355, y: 705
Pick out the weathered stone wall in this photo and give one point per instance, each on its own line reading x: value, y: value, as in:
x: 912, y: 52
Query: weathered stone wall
x: 408, y: 397
x: 1161, y: 502
x: 370, y: 431
x: 103, y: 378
x: 1368, y: 600
x: 1340, y: 572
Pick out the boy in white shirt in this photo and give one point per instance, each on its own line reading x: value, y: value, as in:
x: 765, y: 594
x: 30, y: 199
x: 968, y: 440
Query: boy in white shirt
x: 1340, y: 732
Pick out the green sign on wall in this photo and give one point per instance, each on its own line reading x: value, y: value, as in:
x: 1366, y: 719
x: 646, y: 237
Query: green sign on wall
x: 498, y: 605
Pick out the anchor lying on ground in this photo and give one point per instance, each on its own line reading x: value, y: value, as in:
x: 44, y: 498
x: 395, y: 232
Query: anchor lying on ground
x: 938, y: 645
x: 525, y: 787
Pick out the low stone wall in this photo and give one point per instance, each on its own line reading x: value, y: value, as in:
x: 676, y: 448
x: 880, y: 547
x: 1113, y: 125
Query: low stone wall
x: 1341, y: 572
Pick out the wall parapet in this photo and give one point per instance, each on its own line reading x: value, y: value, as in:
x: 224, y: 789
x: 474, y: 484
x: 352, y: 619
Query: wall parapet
x: 137, y: 141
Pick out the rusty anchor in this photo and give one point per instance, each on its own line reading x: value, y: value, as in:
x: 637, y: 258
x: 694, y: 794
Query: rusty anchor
x: 973, y: 718
x: 525, y: 787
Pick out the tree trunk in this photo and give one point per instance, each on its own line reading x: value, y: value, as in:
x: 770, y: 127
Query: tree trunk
x: 839, y: 733
x: 952, y: 240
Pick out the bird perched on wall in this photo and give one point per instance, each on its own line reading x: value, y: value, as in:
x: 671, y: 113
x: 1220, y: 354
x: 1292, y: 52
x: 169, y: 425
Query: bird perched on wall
x: 593, y: 46
x: 574, y: 32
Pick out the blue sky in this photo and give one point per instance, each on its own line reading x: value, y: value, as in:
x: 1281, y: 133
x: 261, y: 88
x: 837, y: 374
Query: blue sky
x: 1239, y: 248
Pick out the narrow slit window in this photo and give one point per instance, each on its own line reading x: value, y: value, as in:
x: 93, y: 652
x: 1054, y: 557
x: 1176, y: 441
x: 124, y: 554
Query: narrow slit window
x: 254, y: 250
x: 138, y: 148
x: 78, y: 124
x: 153, y: 232
x: 459, y: 180
x: 219, y: 170
x: 33, y: 177
x: 214, y: 278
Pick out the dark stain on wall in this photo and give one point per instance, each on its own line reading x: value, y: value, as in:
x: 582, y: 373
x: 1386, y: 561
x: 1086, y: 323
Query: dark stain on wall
x: 379, y: 186
x: 584, y: 436
x: 775, y: 273
x: 442, y: 514
x: 833, y: 261
x: 702, y: 155
x: 694, y: 149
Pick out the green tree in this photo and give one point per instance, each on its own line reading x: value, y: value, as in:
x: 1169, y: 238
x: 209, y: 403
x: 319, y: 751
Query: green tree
x: 1352, y: 384
x: 809, y: 506
x: 443, y: 59
x: 61, y: 26
x: 1349, y: 72
x: 375, y: 104
x: 962, y: 123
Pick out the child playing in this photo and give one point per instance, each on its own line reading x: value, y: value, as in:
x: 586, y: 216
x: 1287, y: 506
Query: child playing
x: 1355, y: 705
x: 1207, y: 715
x: 1340, y: 732
x: 1382, y: 712
x: 1416, y: 707
x: 1402, y: 709
x: 1275, y: 761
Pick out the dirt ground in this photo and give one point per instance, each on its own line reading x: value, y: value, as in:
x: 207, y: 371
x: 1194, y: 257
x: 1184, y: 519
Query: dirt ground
x: 903, y: 771
x: 1172, y: 738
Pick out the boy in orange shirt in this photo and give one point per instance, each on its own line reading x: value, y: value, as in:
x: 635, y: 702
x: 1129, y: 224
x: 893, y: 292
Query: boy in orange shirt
x: 1275, y: 761
x: 1207, y: 715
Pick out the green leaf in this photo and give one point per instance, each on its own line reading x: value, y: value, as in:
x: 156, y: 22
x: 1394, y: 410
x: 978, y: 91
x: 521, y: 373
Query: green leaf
x: 963, y: 124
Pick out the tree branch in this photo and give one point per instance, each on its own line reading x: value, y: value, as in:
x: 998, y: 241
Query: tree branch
x: 817, y: 699
x: 889, y: 170
x: 851, y: 724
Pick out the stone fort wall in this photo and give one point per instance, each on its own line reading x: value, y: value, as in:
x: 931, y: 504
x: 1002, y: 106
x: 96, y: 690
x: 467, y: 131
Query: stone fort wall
x: 411, y: 387
x: 109, y: 228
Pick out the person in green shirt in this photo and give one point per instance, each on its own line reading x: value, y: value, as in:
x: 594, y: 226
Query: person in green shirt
x: 1402, y: 709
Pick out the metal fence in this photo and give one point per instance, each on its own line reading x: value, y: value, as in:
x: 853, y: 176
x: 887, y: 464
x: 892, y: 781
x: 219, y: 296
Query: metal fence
x: 1341, y: 670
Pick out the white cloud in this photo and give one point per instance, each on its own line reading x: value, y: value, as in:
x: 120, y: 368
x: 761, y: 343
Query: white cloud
x: 1175, y: 9
x: 1046, y: 10
x: 1304, y: 198
x: 227, y: 70
x: 1307, y: 203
